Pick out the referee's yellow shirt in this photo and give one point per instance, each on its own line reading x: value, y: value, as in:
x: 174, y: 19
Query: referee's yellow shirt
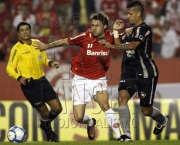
x: 26, y: 61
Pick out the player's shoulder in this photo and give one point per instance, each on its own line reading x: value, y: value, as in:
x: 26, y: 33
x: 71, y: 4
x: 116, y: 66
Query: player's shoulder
x: 79, y: 35
x: 17, y: 45
x: 145, y: 25
x: 108, y: 33
x: 35, y: 40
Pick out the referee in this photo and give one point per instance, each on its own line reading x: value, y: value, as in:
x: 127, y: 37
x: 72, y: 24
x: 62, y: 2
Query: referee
x: 26, y: 66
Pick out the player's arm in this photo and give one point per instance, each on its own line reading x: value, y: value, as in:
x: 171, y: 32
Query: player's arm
x: 117, y: 41
x: 12, y: 64
x: 127, y: 46
x: 48, y: 62
x: 41, y: 46
x: 118, y: 45
x: 119, y: 24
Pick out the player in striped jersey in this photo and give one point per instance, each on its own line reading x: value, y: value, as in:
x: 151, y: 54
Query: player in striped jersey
x: 139, y: 71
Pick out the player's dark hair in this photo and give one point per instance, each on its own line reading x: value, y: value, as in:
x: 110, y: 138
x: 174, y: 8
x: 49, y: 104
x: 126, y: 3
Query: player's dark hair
x: 102, y: 17
x: 22, y: 24
x: 137, y: 4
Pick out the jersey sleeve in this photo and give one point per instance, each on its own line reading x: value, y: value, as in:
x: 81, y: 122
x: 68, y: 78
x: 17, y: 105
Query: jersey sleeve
x: 141, y: 33
x: 45, y: 59
x: 77, y: 39
x: 12, y: 64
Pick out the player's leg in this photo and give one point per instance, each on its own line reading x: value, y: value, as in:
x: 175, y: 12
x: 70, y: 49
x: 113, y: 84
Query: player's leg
x: 126, y: 90
x: 50, y: 97
x: 146, y: 93
x: 56, y: 108
x: 43, y: 92
x: 81, y: 117
x: 102, y: 99
x: 80, y: 97
x: 32, y: 92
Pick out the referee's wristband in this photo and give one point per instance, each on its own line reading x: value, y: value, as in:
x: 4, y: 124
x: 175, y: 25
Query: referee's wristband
x: 19, y: 78
x: 50, y: 62
x: 116, y: 34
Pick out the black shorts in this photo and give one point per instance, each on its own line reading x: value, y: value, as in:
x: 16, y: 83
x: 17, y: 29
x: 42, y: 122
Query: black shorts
x: 38, y: 92
x: 144, y: 86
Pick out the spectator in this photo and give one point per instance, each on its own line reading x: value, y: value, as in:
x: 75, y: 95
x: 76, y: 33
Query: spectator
x: 63, y: 8
x: 40, y: 6
x: 170, y: 42
x: 36, y: 33
x: 82, y: 9
x: 157, y: 34
x: 47, y: 19
x: 5, y: 44
x: 17, y: 6
x: 110, y: 8
x: 3, y: 12
x: 173, y: 15
x: 25, y: 15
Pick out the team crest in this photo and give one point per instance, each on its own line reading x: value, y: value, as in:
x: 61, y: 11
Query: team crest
x: 40, y: 57
x: 143, y: 95
x: 100, y: 85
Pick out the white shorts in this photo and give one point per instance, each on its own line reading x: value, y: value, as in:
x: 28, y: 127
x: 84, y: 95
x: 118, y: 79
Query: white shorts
x: 84, y: 89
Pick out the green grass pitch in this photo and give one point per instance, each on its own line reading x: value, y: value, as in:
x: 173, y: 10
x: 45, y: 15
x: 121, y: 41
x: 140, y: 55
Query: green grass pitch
x: 159, y: 142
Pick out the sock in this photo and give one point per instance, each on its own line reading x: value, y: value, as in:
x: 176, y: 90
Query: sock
x: 158, y: 117
x: 52, y: 115
x: 113, y: 122
x: 46, y: 126
x: 87, y: 120
x: 124, y: 115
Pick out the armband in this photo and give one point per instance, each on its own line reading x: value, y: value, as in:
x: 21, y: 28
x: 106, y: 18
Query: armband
x: 116, y: 34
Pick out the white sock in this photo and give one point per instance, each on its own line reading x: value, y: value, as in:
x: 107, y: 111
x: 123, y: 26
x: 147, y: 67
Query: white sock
x: 113, y: 122
x: 128, y: 134
x: 87, y: 120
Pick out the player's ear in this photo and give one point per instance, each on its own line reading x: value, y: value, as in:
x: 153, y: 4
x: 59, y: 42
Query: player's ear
x: 105, y: 26
x: 139, y: 13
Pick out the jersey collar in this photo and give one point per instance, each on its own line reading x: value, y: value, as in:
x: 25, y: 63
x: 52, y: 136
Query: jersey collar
x: 23, y: 42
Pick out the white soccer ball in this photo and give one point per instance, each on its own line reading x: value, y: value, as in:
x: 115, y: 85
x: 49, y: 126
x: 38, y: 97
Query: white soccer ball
x: 16, y: 134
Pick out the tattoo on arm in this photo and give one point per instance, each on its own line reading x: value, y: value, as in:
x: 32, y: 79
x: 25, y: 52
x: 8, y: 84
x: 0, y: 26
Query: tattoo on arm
x: 52, y: 45
x: 126, y: 46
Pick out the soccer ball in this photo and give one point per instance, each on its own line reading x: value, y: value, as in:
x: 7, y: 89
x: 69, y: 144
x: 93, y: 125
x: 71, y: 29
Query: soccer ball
x: 16, y: 134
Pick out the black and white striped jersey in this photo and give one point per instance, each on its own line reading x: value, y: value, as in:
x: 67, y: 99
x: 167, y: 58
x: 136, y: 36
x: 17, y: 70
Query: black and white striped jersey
x: 139, y: 62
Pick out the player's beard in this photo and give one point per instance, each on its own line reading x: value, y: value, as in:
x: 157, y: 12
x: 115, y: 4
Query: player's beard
x: 98, y: 34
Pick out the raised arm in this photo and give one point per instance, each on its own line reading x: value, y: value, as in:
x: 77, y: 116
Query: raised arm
x: 117, y: 41
x: 119, y: 24
x: 42, y: 46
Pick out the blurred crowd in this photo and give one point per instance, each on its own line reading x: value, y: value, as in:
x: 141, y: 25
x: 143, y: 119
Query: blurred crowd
x: 57, y: 19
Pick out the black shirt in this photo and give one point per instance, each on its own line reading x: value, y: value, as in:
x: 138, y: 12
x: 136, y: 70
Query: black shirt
x: 139, y: 62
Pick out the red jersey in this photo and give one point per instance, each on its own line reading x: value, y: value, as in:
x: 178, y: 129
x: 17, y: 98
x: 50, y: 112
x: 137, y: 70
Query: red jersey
x: 93, y: 60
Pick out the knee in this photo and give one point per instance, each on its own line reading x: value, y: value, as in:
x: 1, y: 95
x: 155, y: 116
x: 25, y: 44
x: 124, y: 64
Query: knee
x: 79, y: 119
x: 123, y: 97
x: 146, y: 111
x: 45, y: 114
x: 58, y: 110
x: 105, y: 106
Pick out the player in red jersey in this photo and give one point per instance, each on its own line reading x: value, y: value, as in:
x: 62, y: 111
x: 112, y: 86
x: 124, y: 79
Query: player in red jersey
x: 89, y: 68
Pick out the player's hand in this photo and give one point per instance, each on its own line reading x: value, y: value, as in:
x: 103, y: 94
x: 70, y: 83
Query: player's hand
x: 128, y: 31
x: 22, y: 80
x: 118, y: 24
x: 105, y: 43
x: 55, y: 64
x: 40, y: 45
